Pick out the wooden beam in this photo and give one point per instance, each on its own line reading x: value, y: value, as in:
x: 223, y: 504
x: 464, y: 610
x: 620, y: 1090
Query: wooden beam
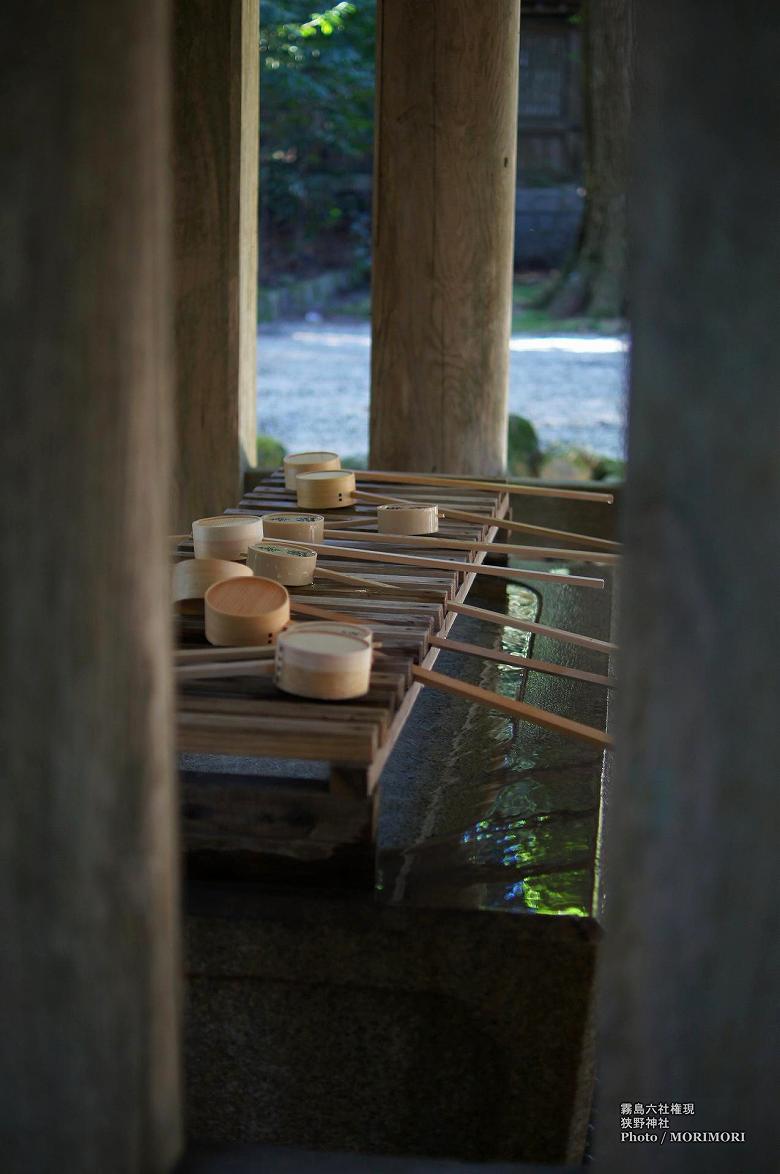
x: 89, y: 984
x: 693, y: 935
x: 216, y: 133
x: 444, y: 190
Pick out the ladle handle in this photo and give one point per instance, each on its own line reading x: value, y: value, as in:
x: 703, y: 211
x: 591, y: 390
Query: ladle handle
x: 517, y: 709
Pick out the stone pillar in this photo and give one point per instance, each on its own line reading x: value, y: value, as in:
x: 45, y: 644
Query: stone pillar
x: 444, y: 207
x: 693, y: 941
x: 89, y: 985
x: 215, y: 157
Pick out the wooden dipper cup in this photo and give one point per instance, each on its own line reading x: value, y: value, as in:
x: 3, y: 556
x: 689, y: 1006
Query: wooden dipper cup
x: 328, y: 661
x: 245, y: 611
x: 307, y: 462
x: 407, y: 519
x: 193, y: 576
x: 291, y: 565
x: 227, y: 536
x: 325, y: 489
x: 296, y: 566
x: 299, y: 527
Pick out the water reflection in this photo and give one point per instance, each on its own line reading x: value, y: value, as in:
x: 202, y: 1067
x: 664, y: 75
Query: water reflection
x: 532, y: 809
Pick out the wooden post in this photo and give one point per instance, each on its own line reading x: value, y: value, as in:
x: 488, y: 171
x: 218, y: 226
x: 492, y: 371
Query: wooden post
x: 693, y: 930
x: 88, y: 899
x: 444, y: 192
x: 216, y: 135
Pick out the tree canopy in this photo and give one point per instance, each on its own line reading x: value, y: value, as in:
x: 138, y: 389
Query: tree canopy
x: 317, y: 106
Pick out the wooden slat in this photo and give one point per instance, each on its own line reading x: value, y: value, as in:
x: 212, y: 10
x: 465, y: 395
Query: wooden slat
x: 293, y: 708
x: 263, y: 737
x: 221, y: 668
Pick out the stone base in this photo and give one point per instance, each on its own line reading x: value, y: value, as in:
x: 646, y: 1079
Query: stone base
x: 338, y: 1023
x: 250, y: 1159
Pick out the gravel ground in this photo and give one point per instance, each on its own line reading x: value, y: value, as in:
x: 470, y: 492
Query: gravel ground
x: 313, y: 382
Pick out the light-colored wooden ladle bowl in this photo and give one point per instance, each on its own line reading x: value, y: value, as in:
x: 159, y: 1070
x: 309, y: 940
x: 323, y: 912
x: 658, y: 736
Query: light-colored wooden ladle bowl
x: 328, y: 661
x: 245, y: 611
x: 192, y: 578
x: 327, y: 489
x: 407, y: 519
x: 296, y: 566
x: 227, y: 536
x: 298, y: 527
x: 307, y: 462
x: 291, y: 565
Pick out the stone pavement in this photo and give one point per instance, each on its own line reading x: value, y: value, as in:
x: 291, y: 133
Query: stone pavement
x: 269, y: 1159
x: 313, y: 383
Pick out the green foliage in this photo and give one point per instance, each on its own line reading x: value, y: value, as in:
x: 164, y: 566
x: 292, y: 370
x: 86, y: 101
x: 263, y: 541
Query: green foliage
x: 269, y: 452
x: 356, y: 306
x: 327, y: 22
x: 355, y: 461
x: 530, y: 314
x: 523, y: 454
x: 562, y: 463
x: 316, y: 109
x: 609, y: 469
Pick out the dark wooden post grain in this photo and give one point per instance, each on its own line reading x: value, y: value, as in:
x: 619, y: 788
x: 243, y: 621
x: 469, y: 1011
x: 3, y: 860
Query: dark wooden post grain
x: 215, y: 157
x: 693, y: 942
x: 88, y: 899
x: 444, y: 190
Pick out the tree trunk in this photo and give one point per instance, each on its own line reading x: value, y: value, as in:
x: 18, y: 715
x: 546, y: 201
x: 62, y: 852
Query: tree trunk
x: 443, y: 233
x: 594, y: 281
